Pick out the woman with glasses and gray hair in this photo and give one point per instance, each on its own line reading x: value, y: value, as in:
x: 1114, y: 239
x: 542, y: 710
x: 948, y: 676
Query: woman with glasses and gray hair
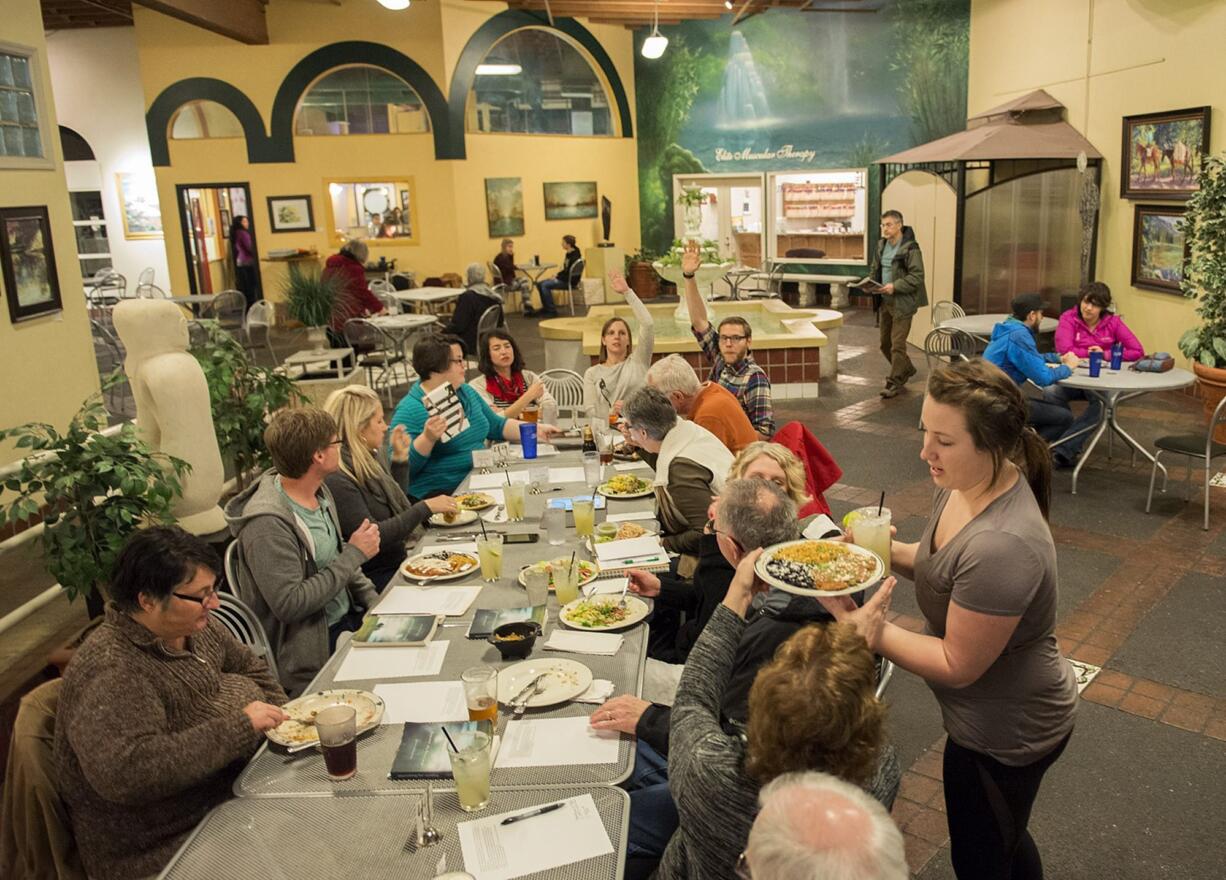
x: 471, y: 305
x: 690, y: 464
x: 160, y: 708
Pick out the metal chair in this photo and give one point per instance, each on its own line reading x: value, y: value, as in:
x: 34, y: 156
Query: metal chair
x: 566, y: 388
x: 240, y: 620
x: 108, y: 349
x: 1201, y: 446
x: 491, y: 319
x: 390, y: 304
x: 769, y: 288
x: 150, y: 291
x: 885, y: 672
x: 230, y: 566
x: 229, y: 308
x: 574, y: 281
x: 109, y: 289
x: 518, y: 289
x: 374, y: 350
x: 403, y: 281
x: 146, y: 276
x: 257, y: 329
x: 945, y: 310
x: 197, y: 335
x: 946, y: 345
x: 379, y: 285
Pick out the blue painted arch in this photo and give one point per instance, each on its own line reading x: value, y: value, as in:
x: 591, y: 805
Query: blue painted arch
x: 350, y: 53
x: 486, y: 36
x: 260, y: 148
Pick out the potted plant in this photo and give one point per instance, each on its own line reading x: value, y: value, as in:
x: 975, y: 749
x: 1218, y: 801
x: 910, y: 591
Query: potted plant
x: 96, y: 490
x: 641, y: 276
x: 243, y: 396
x: 1204, y: 279
x: 311, y: 297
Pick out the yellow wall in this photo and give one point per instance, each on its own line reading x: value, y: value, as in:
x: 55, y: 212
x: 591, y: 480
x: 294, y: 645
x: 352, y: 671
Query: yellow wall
x: 450, y: 194
x: 1106, y: 59
x: 47, y: 363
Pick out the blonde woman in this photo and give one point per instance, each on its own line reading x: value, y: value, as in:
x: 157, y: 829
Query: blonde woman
x: 770, y: 461
x: 367, y: 487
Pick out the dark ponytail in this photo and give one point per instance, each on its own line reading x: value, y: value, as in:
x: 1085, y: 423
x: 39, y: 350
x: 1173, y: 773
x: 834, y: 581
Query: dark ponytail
x: 996, y: 412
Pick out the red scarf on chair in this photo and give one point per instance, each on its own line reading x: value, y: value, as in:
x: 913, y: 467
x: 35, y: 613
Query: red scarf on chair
x: 506, y: 391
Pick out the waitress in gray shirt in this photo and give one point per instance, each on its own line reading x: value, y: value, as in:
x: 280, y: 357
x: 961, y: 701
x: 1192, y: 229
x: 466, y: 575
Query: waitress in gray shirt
x: 985, y: 580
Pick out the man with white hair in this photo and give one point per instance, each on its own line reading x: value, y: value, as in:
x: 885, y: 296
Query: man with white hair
x: 707, y: 404
x: 470, y: 306
x: 814, y: 825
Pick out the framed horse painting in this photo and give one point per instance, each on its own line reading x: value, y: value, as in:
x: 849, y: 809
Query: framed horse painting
x: 1162, y: 154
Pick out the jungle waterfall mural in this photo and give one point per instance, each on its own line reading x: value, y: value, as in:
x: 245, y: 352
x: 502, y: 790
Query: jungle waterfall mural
x: 796, y: 90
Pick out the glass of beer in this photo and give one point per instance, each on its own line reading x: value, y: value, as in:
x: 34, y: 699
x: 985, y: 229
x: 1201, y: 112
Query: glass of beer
x: 514, y: 495
x: 471, y: 768
x: 605, y: 441
x: 481, y: 693
x: 585, y: 515
x: 531, y: 413
x: 489, y: 551
x: 871, y: 530
x: 337, y: 729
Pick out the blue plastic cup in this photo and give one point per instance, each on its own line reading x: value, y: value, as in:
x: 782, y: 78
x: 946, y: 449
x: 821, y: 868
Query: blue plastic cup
x: 1096, y: 366
x: 527, y: 439
x: 1117, y: 356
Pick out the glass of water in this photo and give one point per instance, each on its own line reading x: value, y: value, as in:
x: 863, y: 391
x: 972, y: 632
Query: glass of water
x: 555, y: 525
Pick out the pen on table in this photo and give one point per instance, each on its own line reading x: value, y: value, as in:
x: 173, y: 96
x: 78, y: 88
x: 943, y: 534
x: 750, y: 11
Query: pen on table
x: 539, y: 812
x: 645, y: 560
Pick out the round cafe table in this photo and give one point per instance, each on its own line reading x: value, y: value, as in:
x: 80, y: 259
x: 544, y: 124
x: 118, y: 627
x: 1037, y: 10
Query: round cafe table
x: 1112, y: 387
x: 981, y: 326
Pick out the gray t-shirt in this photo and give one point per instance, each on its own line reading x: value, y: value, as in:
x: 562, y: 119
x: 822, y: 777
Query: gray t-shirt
x: 1002, y: 562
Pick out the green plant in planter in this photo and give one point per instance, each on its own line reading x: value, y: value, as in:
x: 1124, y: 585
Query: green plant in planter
x: 691, y: 197
x: 243, y: 396
x: 1204, y: 271
x: 311, y: 296
x: 98, y: 490
x: 708, y: 252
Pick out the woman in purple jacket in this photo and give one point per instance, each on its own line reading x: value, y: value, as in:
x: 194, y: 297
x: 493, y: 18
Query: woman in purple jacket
x: 246, y: 263
x: 1086, y: 328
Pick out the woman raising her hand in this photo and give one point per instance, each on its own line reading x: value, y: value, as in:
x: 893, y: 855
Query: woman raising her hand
x: 622, y: 367
x: 985, y: 580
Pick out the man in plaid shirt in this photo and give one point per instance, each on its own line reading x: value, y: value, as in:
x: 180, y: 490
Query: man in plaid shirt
x: 728, y: 350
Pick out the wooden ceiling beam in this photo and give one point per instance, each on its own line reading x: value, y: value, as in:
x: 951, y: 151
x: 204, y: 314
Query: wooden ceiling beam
x: 241, y: 20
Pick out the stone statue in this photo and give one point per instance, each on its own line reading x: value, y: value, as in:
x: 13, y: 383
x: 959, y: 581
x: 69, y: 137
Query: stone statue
x: 173, y: 414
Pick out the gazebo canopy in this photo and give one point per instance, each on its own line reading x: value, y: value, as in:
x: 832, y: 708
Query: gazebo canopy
x: 1029, y: 127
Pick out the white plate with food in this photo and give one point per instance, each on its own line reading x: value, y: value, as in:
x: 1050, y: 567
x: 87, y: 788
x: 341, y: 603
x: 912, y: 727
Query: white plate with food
x: 564, y: 680
x: 300, y: 730
x: 587, y: 570
x: 439, y: 565
x: 603, y: 613
x: 625, y: 452
x: 819, y: 568
x: 626, y: 486
x: 474, y: 501
x: 459, y: 518
x: 625, y: 531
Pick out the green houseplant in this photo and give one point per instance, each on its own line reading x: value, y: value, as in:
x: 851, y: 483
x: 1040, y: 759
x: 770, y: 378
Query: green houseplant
x: 1204, y: 279
x: 97, y: 490
x: 311, y: 297
x: 243, y: 395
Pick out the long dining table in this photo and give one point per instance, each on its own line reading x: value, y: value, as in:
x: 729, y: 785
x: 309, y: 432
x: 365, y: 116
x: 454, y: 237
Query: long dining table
x: 289, y: 818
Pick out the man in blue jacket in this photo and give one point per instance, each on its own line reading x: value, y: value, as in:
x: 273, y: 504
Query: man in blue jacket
x: 1014, y: 350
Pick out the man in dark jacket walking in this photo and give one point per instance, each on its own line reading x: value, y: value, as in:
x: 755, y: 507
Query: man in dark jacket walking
x: 898, y: 266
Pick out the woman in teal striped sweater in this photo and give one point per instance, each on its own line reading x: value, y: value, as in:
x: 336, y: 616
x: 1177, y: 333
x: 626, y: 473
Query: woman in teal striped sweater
x: 438, y: 466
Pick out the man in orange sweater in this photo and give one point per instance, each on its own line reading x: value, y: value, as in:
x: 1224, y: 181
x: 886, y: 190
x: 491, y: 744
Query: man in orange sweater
x: 708, y: 404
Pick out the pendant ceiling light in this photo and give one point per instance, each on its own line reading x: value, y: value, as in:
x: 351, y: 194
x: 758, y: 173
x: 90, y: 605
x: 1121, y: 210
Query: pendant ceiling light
x: 654, y: 45
x: 395, y: 4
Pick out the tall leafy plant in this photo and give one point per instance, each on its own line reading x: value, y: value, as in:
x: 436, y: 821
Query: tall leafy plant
x: 1204, y: 271
x: 97, y: 489
x: 243, y: 395
x: 311, y: 296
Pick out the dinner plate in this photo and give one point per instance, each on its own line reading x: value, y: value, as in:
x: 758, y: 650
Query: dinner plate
x: 473, y: 565
x: 294, y: 733
x: 480, y: 501
x: 592, y: 570
x: 760, y: 569
x: 625, y: 453
x: 604, y: 490
x: 636, y: 612
x: 566, y: 680
x: 463, y: 518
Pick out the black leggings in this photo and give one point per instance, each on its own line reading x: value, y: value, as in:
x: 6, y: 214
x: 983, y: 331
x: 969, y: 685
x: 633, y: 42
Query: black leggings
x: 988, y: 804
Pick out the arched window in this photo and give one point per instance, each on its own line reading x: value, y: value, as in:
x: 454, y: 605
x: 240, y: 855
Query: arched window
x: 533, y: 81
x: 204, y: 119
x: 360, y: 100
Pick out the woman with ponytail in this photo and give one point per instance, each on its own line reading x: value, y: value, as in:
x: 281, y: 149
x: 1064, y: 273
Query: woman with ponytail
x: 985, y: 581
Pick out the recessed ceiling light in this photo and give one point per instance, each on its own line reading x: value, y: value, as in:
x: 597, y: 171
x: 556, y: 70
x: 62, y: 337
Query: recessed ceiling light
x: 395, y: 4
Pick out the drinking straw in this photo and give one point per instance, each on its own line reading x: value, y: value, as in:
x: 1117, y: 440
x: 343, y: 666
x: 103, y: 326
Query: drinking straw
x: 481, y: 523
x: 450, y: 741
x: 571, y: 569
x: 881, y: 503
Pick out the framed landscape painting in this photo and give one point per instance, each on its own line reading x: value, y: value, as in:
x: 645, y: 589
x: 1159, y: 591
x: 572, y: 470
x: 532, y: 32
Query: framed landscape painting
x: 138, y: 202
x: 1163, y: 153
x: 570, y: 201
x: 27, y: 263
x: 1159, y: 247
x: 290, y: 214
x: 504, y: 206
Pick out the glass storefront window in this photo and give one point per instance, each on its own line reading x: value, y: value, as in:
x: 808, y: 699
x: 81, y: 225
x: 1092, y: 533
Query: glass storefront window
x: 361, y: 100
x: 818, y: 215
x: 198, y: 120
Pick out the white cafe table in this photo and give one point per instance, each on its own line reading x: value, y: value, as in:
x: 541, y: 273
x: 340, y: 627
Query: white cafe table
x: 534, y: 271
x: 333, y: 357
x: 422, y: 299
x: 981, y: 326
x: 1112, y: 387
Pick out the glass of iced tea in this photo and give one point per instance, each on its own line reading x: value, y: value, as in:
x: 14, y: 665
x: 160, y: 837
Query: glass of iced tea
x: 337, y: 729
x: 481, y: 693
x: 531, y: 413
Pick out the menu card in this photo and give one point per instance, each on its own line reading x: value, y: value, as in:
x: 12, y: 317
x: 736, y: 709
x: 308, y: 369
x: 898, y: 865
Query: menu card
x: 494, y: 851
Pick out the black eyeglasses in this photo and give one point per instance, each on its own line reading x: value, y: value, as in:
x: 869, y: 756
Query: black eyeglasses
x: 199, y: 600
x: 711, y: 527
x: 742, y: 869
x: 724, y: 338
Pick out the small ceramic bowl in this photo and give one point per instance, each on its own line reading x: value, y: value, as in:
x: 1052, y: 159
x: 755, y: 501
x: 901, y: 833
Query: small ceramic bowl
x: 515, y: 640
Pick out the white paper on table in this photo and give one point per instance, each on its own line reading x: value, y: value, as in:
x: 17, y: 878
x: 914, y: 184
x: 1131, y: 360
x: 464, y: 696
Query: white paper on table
x: 612, y: 554
x: 630, y: 465
x: 566, y: 475
x: 423, y: 701
x: 606, y: 586
x: 555, y: 742
x: 451, y: 601
x: 495, y: 480
x: 392, y: 662
x: 493, y: 851
x: 583, y: 643
x: 631, y: 516
x: 456, y: 547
